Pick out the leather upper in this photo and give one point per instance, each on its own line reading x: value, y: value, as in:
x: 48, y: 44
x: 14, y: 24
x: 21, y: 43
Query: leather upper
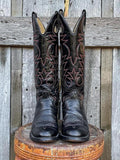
x: 46, y: 78
x: 73, y: 53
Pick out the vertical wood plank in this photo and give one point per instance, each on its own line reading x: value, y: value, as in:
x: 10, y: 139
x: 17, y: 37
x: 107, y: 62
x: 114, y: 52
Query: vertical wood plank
x: 5, y: 10
x: 28, y: 87
x: 16, y: 81
x: 106, y: 100
x: 15, y: 94
x: 4, y: 103
x: 5, y: 7
x: 42, y: 8
x: 93, y: 8
x: 92, y: 63
x: 116, y: 95
x: 16, y: 9
x: 92, y: 86
x: 106, y: 86
x: 116, y: 106
x: 107, y: 8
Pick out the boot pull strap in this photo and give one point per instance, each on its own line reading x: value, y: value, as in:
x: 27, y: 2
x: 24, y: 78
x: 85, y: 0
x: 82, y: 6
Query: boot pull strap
x: 41, y: 26
x: 38, y: 27
x: 81, y: 23
x: 66, y: 8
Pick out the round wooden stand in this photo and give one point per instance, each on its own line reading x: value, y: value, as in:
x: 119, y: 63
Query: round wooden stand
x: 26, y: 149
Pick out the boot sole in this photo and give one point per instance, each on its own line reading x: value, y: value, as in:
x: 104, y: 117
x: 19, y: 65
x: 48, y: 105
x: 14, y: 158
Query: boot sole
x: 44, y: 139
x: 74, y: 139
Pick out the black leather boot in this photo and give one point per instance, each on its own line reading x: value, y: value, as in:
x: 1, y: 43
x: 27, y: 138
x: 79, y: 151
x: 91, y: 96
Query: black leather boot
x: 45, y: 126
x: 75, y: 125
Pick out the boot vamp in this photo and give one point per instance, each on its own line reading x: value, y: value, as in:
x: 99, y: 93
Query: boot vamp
x: 74, y: 119
x: 45, y: 120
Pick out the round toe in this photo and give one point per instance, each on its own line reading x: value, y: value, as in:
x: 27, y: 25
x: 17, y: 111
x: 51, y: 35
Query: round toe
x: 44, y: 132
x: 76, y: 132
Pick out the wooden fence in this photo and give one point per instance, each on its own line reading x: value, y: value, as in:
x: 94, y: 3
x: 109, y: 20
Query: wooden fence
x: 102, y: 67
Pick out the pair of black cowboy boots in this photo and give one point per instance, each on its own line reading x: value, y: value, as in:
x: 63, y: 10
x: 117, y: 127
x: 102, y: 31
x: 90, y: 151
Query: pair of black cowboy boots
x: 46, y: 45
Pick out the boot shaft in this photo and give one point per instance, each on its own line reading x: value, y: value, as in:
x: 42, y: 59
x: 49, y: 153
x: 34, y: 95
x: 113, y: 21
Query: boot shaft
x: 73, y: 53
x: 45, y: 56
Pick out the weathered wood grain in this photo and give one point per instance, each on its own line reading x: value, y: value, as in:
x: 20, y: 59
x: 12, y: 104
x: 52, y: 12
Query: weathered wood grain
x: 4, y: 103
x: 116, y: 95
x: 92, y: 86
x: 16, y: 8
x: 16, y: 85
x: 106, y: 99
x: 116, y: 8
x: 5, y: 10
x: 107, y: 8
x: 43, y: 8
x: 93, y: 8
x: 28, y: 87
x: 106, y: 86
x: 5, y: 7
x: 116, y: 106
x: 101, y: 32
x: 92, y: 60
x: 16, y: 81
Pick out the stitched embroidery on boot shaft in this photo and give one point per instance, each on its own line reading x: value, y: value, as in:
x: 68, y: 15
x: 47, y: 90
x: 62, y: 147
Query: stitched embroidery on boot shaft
x: 76, y: 74
x: 46, y: 75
